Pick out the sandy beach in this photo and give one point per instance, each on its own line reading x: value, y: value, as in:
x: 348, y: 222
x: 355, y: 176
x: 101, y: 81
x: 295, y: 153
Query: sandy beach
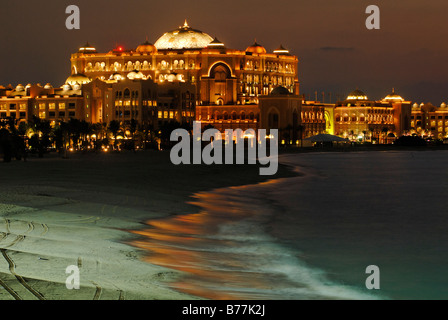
x: 84, y: 211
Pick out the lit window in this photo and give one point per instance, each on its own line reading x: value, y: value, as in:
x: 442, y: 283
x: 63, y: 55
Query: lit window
x: 160, y: 115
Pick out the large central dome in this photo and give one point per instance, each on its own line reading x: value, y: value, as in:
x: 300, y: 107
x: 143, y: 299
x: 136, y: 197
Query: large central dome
x: 183, y: 38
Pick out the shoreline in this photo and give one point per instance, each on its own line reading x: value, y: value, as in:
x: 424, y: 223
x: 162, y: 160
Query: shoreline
x: 335, y: 238
x: 233, y: 253
x: 84, y: 211
x: 48, y: 222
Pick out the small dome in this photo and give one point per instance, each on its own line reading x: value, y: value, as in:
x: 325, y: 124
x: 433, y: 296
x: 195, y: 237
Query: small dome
x: 146, y: 48
x: 256, y: 48
x: 20, y: 87
x: 183, y: 38
x: 171, y: 77
x: 116, y: 76
x: 66, y: 87
x: 281, y: 50
x: 443, y: 105
x: 77, y: 78
x: 428, y: 107
x: 415, y: 105
x: 48, y: 86
x: 135, y: 75
x: 280, y: 91
x: 87, y: 48
x: 393, y: 97
x: 216, y: 44
x: 357, y: 95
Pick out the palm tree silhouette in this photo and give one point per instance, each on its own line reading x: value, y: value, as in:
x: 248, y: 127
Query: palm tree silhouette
x: 114, y: 127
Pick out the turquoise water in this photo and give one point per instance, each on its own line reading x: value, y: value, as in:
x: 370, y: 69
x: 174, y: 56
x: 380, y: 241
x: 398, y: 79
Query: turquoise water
x: 388, y: 209
x: 312, y: 237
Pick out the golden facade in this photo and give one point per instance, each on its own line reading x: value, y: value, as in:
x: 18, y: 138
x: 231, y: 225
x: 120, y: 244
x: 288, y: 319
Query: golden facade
x: 228, y: 81
x: 187, y: 75
x: 429, y: 120
x: 359, y: 118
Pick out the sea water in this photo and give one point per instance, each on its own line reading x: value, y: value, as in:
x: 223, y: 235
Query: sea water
x: 313, y: 236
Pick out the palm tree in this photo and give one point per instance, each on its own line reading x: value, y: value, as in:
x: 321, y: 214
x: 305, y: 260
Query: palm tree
x: 5, y: 144
x: 114, y: 127
x: 41, y: 137
x: 85, y: 131
x: 300, y: 129
x: 384, y: 131
x: 74, y: 131
x: 133, y: 128
x: 21, y: 131
x: 166, y: 130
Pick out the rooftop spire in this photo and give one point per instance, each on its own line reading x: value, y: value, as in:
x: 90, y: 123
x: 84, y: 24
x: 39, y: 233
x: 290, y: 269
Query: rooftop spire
x: 186, y: 24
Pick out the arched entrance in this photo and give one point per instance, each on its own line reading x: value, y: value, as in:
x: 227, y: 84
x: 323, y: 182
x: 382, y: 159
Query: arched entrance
x: 220, y: 88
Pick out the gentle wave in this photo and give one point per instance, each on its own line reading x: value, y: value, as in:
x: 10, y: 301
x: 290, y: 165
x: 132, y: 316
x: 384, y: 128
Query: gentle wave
x: 226, y: 252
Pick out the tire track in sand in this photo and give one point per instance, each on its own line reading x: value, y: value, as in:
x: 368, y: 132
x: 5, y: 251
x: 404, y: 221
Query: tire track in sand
x: 97, y: 292
x: 45, y: 227
x: 8, y: 230
x: 18, y: 277
x: 18, y: 239
x: 10, y: 290
x: 3, y: 235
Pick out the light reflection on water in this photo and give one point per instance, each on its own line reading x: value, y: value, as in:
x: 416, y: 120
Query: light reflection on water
x: 217, y: 264
x: 226, y: 252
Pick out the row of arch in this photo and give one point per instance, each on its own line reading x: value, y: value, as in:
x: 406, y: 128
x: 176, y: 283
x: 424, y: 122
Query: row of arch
x: 266, y: 80
x: 363, y: 118
x: 268, y: 66
x: 117, y: 66
x: 242, y: 115
x: 177, y: 64
x: 126, y: 94
x: 138, y: 65
x: 309, y: 115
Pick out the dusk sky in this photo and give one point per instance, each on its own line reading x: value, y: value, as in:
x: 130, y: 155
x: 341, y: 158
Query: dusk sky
x: 336, y: 51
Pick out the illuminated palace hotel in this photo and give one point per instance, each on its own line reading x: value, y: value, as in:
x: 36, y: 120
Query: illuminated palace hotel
x: 187, y: 75
x: 228, y: 82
